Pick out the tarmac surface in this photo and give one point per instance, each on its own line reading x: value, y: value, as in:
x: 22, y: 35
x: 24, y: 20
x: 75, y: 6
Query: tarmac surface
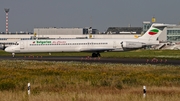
x: 95, y: 60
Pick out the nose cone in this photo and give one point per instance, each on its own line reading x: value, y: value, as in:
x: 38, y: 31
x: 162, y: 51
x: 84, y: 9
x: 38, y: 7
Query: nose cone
x: 9, y: 49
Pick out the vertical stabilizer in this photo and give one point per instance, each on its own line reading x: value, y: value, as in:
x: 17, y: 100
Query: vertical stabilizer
x: 154, y: 31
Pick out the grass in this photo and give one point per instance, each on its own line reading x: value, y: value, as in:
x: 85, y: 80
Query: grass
x: 83, y: 96
x: 76, y: 81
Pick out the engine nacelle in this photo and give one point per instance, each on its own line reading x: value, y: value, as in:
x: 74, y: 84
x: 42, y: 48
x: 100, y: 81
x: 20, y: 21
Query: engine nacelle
x: 132, y: 45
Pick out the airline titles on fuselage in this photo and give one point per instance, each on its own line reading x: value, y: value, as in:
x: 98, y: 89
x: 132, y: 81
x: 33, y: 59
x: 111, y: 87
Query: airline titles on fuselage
x: 49, y: 42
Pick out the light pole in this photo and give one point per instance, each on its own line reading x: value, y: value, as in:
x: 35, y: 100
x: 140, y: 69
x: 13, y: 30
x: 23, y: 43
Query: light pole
x: 6, y: 11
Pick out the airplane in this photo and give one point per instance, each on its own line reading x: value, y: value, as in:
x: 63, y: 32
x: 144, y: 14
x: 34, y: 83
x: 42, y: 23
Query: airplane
x: 96, y: 46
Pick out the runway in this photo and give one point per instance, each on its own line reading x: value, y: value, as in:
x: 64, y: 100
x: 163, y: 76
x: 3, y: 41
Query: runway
x: 95, y: 60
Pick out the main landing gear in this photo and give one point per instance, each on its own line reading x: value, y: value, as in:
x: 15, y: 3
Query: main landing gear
x: 96, y: 54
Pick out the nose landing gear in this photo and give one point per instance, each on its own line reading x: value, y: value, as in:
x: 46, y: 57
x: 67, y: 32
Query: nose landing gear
x: 13, y: 55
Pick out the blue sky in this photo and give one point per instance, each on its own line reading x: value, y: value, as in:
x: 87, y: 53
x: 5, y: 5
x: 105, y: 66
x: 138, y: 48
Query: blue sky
x: 25, y: 15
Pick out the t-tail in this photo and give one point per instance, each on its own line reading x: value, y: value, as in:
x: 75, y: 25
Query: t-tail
x: 151, y: 36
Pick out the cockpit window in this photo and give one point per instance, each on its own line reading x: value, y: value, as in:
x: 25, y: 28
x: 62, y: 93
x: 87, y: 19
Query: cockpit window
x: 16, y: 43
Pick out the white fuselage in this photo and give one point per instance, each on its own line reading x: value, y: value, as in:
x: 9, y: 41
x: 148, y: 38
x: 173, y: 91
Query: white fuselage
x: 70, y: 45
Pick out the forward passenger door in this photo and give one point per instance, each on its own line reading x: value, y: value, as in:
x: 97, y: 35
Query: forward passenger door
x: 21, y: 45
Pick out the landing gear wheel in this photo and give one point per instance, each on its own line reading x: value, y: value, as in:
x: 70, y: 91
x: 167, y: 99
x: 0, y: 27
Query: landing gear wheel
x: 93, y: 54
x: 96, y: 55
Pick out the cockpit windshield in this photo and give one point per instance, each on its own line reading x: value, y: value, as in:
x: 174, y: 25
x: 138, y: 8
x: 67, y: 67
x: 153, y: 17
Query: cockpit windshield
x: 17, y: 43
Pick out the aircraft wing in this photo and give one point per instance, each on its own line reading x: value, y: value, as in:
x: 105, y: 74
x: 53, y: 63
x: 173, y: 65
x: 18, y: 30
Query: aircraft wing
x: 95, y: 49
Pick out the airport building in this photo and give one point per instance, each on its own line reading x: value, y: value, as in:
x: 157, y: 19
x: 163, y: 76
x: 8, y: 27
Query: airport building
x: 124, y: 30
x: 68, y: 33
x: 65, y: 31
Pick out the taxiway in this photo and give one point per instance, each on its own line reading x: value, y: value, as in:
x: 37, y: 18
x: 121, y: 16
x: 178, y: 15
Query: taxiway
x: 95, y: 60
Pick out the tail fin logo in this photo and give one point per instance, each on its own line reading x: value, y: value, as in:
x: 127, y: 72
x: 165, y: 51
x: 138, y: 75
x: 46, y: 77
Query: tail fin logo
x: 153, y: 31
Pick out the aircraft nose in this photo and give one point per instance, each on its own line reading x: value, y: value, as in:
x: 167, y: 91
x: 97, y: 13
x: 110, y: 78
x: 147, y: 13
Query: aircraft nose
x: 8, y: 49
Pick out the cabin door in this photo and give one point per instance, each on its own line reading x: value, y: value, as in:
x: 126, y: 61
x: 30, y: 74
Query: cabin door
x: 114, y: 44
x: 21, y: 45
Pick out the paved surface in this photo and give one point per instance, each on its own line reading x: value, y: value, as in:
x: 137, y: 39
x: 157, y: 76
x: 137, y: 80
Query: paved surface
x: 100, y: 60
